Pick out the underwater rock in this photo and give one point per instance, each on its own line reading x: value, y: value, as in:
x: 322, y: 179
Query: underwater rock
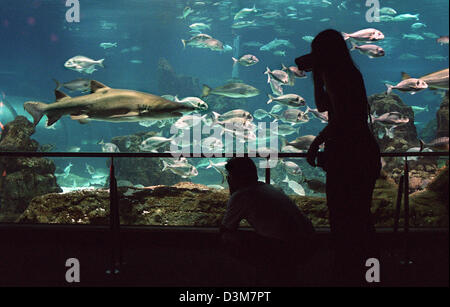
x: 189, y: 204
x: 144, y: 171
x: 22, y: 178
x: 170, y: 83
x: 428, y: 133
x: 405, y: 136
x: 442, y: 118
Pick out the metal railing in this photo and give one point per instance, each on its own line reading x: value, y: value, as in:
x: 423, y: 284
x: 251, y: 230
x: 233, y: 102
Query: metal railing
x: 114, y: 226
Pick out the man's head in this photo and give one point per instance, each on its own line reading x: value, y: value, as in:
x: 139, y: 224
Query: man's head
x: 241, y: 173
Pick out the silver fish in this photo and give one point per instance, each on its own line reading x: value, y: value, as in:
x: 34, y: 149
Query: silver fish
x: 411, y: 85
x: 291, y: 100
x: 232, y: 90
x: 81, y: 85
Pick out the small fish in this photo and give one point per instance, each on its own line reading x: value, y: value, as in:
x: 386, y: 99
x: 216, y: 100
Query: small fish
x: 386, y: 18
x: 372, y: 51
x: 411, y: 85
x: 186, y: 12
x: 296, y: 187
x: 183, y: 169
x: 278, y: 75
x: 108, y: 147
x: 246, y: 60
x: 220, y: 168
x: 108, y: 45
x: 315, y: 185
x: 67, y: 169
x: 443, y: 40
x: 280, y: 53
x: 90, y: 169
x: 83, y: 64
x: 291, y: 167
x: 418, y: 109
x: 308, y: 38
x: 80, y: 85
x: 300, y: 143
x: 390, y: 118
x: 73, y: 149
x: 293, y: 116
x: 388, y: 11
x: 415, y: 37
x: 408, y: 56
x: 322, y: 116
x: 291, y: 100
x: 136, y: 61
x: 364, y: 35
x: 439, y: 144
x: 199, y: 26
x: 276, y: 88
x: 153, y: 143
x: 430, y: 35
x: 195, y: 102
x: 418, y: 25
x: 245, y: 12
x: 405, y: 17
x: 232, y: 90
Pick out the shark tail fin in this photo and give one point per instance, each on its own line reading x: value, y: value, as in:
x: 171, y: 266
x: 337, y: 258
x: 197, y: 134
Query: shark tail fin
x: 58, y: 85
x: 36, y: 110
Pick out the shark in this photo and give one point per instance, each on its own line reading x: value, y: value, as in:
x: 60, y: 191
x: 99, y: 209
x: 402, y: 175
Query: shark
x: 107, y: 104
x: 435, y: 80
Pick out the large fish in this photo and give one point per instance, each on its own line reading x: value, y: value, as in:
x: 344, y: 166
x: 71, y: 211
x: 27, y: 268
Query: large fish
x: 435, y: 80
x: 107, y: 104
x: 232, y: 90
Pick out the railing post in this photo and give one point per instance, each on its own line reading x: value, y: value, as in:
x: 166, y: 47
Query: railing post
x: 406, y: 205
x: 267, y: 171
x: 398, y: 204
x: 114, y: 223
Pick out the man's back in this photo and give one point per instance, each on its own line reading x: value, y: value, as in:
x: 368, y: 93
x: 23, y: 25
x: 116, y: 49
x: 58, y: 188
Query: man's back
x: 269, y: 211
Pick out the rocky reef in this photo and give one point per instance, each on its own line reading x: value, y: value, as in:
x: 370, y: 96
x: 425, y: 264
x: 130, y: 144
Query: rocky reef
x: 22, y: 178
x: 442, y: 118
x: 405, y: 136
x: 422, y: 170
x: 171, y: 83
x: 144, y: 171
x: 189, y: 204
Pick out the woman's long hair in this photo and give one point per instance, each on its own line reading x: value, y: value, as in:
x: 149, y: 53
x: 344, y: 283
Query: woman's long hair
x: 330, y: 53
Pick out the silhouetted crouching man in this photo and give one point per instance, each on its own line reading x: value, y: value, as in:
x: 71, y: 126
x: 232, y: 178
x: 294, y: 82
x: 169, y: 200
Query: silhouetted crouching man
x: 282, y: 237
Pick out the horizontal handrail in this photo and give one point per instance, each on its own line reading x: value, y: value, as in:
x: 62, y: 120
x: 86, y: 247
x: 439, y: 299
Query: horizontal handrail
x: 193, y: 155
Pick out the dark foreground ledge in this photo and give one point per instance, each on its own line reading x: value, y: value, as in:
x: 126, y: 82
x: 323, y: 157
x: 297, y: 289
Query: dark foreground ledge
x: 184, y: 257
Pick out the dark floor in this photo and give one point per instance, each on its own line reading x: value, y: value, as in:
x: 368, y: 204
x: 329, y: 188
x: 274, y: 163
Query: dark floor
x: 32, y: 256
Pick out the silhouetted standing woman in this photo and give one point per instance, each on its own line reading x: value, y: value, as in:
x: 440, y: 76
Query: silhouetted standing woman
x: 352, y: 156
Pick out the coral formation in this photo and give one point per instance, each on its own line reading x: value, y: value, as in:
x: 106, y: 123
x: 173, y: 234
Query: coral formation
x: 22, y: 178
x: 442, y: 118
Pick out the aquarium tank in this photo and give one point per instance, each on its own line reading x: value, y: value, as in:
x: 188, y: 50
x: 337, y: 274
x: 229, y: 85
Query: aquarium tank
x: 211, y: 77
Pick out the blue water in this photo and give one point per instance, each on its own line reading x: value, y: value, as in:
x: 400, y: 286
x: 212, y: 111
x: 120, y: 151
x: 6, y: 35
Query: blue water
x: 36, y: 40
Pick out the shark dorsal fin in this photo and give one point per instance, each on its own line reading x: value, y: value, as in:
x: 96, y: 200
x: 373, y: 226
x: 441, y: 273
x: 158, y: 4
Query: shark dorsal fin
x: 405, y: 76
x: 95, y: 86
x: 60, y: 95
